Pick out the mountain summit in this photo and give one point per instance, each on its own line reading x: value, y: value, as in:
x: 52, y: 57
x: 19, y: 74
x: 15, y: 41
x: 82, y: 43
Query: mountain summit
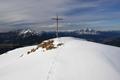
x: 75, y: 59
x: 26, y: 32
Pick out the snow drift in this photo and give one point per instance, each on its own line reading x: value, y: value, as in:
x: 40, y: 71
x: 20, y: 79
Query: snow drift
x: 76, y: 59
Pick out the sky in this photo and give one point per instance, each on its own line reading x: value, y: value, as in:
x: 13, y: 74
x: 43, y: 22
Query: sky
x: 38, y: 14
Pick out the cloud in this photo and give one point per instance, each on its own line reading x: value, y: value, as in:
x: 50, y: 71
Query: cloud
x: 21, y: 12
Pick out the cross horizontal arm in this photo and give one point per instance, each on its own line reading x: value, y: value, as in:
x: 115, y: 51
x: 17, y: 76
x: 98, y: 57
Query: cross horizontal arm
x: 57, y: 19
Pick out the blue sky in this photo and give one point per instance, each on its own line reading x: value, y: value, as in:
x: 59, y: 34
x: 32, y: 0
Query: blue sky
x: 37, y: 14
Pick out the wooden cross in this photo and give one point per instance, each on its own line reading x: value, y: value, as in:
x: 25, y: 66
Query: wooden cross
x: 57, y: 21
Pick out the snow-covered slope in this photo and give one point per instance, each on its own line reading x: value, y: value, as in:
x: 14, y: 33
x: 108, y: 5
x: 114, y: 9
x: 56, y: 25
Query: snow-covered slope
x: 75, y: 60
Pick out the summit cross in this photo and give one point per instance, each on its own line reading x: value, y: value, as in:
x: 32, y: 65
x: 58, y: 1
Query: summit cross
x: 57, y: 19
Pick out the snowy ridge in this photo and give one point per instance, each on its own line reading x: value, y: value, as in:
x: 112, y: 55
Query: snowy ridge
x: 75, y: 60
x: 87, y: 31
x: 25, y: 31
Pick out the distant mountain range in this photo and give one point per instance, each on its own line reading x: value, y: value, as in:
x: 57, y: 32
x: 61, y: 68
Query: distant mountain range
x: 25, y: 37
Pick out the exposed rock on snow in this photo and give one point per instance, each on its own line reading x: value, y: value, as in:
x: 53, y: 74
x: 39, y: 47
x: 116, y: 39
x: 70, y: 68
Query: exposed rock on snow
x: 47, y: 45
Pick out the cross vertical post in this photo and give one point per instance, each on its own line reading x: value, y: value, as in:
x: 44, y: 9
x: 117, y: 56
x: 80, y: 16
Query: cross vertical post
x: 57, y: 21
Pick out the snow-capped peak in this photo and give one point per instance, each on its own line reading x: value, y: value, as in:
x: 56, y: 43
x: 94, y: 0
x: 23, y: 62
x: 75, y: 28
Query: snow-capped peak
x: 25, y: 31
x: 87, y: 31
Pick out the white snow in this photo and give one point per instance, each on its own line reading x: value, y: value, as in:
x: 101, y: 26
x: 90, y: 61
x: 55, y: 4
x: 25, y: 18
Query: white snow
x: 23, y: 32
x: 75, y: 60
